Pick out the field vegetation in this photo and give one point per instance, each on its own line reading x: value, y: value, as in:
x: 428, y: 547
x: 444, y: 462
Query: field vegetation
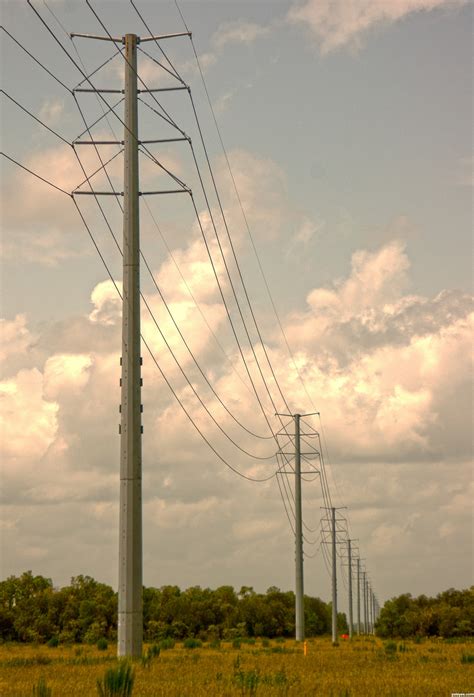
x: 62, y: 642
x: 364, y: 667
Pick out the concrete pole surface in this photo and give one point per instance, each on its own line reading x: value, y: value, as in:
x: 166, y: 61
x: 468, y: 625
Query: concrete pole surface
x: 369, y: 607
x: 299, y: 586
x: 364, y: 588
x: 358, y: 596
x: 334, y: 577
x: 349, y: 556
x: 374, y: 613
x: 130, y: 613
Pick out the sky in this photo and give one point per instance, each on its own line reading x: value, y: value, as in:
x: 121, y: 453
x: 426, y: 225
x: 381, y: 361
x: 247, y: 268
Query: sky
x: 347, y: 126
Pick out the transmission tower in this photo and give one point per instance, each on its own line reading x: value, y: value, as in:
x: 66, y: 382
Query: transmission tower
x: 130, y: 603
x: 299, y: 578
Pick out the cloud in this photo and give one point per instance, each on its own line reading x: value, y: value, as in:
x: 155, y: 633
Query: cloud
x: 228, y: 33
x: 337, y: 23
x: 239, y: 31
x: 51, y: 111
x: 28, y: 421
x: 389, y: 370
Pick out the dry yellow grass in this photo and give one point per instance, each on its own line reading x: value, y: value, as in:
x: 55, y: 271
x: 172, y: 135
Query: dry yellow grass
x: 362, y: 668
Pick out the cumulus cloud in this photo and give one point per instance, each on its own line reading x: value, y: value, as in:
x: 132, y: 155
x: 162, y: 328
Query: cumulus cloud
x: 239, y: 31
x: 389, y: 370
x: 337, y: 23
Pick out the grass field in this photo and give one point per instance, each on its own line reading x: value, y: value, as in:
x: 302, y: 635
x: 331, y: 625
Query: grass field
x: 365, y: 667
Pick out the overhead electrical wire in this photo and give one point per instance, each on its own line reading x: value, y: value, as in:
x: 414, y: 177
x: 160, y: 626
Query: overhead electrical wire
x: 116, y: 242
x: 85, y: 76
x: 105, y: 218
x: 111, y: 109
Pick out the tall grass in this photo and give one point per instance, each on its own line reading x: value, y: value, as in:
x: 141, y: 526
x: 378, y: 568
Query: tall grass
x: 117, y: 681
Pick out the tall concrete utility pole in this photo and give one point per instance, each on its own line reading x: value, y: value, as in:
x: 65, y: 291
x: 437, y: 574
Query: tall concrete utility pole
x: 334, y: 576
x: 358, y: 595
x: 299, y: 576
x: 130, y: 606
x: 364, y: 588
x: 349, y: 558
x: 130, y: 614
x: 299, y: 584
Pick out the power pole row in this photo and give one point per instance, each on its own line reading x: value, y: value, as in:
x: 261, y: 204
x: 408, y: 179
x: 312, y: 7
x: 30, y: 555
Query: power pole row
x: 130, y: 605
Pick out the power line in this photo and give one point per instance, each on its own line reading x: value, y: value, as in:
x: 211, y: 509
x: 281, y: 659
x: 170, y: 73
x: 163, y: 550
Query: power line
x: 38, y: 176
x: 35, y: 117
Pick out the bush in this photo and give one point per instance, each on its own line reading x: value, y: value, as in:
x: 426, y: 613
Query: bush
x: 154, y: 650
x: 53, y: 642
x: 191, y: 643
x: 168, y: 643
x: 391, y: 647
x: 41, y: 689
x: 117, y: 681
x: 236, y: 643
x: 215, y: 644
x: 102, y: 644
x: 467, y: 658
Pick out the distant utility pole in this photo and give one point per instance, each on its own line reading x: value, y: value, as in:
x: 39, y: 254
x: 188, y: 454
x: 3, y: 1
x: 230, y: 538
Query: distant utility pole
x: 334, y: 542
x: 349, y: 561
x: 358, y: 595
x: 299, y: 577
x: 365, y: 582
x: 130, y: 604
x: 334, y: 577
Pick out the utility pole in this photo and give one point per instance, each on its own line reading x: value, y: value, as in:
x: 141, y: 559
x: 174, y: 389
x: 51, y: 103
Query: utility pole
x: 130, y: 613
x: 358, y: 595
x: 364, y: 573
x: 130, y: 603
x: 334, y: 542
x: 299, y: 576
x: 349, y: 555
x: 299, y: 589
x: 334, y: 577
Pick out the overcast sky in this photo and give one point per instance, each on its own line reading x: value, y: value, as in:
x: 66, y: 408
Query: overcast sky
x: 347, y: 126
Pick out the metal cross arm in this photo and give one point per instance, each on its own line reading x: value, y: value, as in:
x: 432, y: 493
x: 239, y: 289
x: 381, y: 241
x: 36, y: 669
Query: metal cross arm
x: 168, y: 191
x: 121, y: 142
x: 121, y: 39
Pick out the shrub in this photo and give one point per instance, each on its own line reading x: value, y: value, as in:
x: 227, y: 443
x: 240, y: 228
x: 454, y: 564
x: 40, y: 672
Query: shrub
x: 53, y: 642
x: 117, y: 681
x: 467, y: 658
x: 191, y: 643
x: 41, y: 689
x: 168, y: 643
x: 153, y: 650
x: 215, y: 644
x: 236, y: 643
x: 102, y: 644
x: 391, y: 647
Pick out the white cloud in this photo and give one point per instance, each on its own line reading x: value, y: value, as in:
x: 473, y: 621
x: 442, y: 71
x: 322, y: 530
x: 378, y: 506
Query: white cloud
x: 16, y: 337
x: 337, y: 23
x: 51, y: 111
x: 239, y: 31
x: 28, y: 422
x: 107, y: 303
x: 389, y: 371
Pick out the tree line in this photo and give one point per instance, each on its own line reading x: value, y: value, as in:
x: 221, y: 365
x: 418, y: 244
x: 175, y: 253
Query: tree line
x: 449, y: 614
x: 33, y: 610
